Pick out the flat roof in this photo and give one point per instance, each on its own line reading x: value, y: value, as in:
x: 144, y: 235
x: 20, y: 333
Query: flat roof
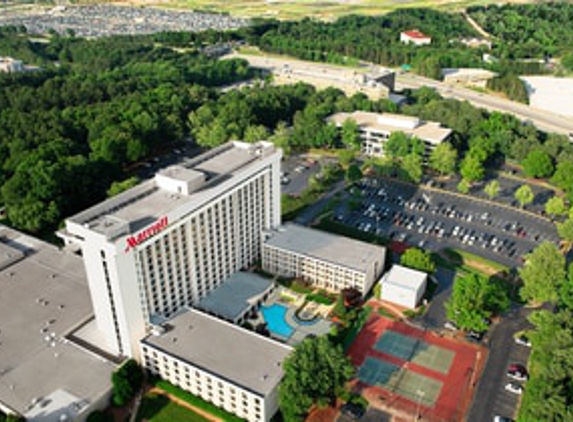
x: 387, y: 122
x: 318, y: 244
x: 237, y: 294
x: 44, y: 296
x: 240, y: 356
x: 405, y: 277
x: 143, y: 204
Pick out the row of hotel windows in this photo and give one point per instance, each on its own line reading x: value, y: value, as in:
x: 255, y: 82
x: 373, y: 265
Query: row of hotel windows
x: 221, y: 394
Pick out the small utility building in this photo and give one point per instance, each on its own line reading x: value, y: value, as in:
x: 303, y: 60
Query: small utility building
x: 403, y: 286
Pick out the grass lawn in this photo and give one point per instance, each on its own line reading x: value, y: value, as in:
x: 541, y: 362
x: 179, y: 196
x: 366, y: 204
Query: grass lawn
x: 158, y: 408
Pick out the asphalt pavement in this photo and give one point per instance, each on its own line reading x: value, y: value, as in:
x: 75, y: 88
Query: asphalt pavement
x: 491, y: 399
x: 435, y: 315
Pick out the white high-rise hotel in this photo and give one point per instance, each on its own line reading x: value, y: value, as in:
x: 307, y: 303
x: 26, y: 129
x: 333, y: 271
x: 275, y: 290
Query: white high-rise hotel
x: 169, y: 241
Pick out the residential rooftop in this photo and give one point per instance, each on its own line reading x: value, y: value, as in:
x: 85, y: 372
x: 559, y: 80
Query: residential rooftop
x: 333, y: 248
x: 171, y: 188
x: 237, y: 294
x: 405, y: 277
x: 243, y: 357
x: 388, y: 123
x: 44, y: 297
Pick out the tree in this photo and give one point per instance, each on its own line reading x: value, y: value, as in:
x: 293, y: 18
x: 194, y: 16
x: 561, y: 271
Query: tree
x: 542, y: 274
x: 345, y: 157
x: 443, y: 159
x: 565, y: 230
x: 254, y: 133
x: 492, y: 189
x: 524, y: 195
x: 118, y: 187
x: 472, y: 169
x: 464, y: 186
x: 418, y: 259
x: 538, y: 163
x: 127, y: 380
x: 351, y: 134
x: 281, y: 137
x: 563, y: 176
x: 315, y: 373
x: 353, y: 174
x: 397, y: 145
x: 474, y: 299
x: 555, y: 206
x: 412, y: 166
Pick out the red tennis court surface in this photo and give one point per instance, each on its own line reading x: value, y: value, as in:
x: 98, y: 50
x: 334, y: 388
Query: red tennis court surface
x: 457, y: 384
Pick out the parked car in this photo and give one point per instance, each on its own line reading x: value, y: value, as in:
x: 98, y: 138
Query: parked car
x: 474, y: 336
x: 449, y: 325
x: 353, y: 411
x: 497, y: 418
x: 514, y: 388
x: 523, y: 340
x: 517, y: 372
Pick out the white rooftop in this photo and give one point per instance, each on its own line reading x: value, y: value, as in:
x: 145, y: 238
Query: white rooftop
x: 43, y: 297
x: 405, y: 277
x: 234, y: 353
x: 333, y: 248
x: 171, y: 188
x: 431, y: 132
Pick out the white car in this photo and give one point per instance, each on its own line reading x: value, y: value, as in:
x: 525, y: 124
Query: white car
x: 523, y: 340
x: 514, y: 388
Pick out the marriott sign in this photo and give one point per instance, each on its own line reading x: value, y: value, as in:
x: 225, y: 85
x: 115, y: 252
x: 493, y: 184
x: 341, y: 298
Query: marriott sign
x: 133, y: 241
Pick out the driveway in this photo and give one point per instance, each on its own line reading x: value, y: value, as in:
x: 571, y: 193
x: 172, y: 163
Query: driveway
x: 490, y: 398
x: 435, y: 315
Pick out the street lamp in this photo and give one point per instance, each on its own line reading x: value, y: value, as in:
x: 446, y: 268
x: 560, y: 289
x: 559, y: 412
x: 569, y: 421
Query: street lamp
x: 420, y: 394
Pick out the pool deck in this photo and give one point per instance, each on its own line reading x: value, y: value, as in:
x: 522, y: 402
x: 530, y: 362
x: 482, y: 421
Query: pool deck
x: 301, y: 331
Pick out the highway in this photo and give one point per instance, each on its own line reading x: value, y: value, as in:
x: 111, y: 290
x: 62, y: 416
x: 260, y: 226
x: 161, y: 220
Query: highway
x: 544, y: 120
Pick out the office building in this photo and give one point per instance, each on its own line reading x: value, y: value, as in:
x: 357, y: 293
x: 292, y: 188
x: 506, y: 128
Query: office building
x: 168, y: 242
x: 233, y: 368
x: 322, y: 259
x: 375, y: 129
x: 49, y: 368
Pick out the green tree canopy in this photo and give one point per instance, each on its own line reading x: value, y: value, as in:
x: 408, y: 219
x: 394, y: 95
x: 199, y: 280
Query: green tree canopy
x: 443, y: 159
x: 538, y: 163
x: 555, y: 206
x: 353, y: 174
x: 412, y: 167
x: 565, y: 230
x: 315, y: 373
x: 563, y: 176
x: 127, y: 380
x: 118, y: 187
x: 524, y: 195
x: 472, y: 169
x: 542, y: 274
x: 397, y: 145
x: 418, y: 259
x: 475, y: 298
x: 464, y: 186
x: 492, y: 189
x: 350, y: 134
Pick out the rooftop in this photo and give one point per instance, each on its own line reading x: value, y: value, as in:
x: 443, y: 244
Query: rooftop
x: 431, y: 132
x: 44, y: 297
x: 234, y: 353
x: 171, y: 188
x: 414, y: 33
x: 329, y: 247
x: 405, y: 277
x: 237, y: 294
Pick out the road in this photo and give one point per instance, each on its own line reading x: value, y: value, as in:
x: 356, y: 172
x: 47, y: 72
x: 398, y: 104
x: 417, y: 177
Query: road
x: 544, y: 120
x: 490, y: 398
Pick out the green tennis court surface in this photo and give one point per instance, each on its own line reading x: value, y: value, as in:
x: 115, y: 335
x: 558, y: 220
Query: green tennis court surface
x: 415, y: 350
x: 408, y: 384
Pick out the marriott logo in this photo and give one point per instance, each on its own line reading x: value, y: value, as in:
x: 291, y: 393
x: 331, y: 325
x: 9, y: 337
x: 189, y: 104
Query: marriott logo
x: 133, y: 241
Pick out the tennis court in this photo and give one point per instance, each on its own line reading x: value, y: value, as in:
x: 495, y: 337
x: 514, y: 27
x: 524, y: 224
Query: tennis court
x: 415, y: 350
x: 401, y: 381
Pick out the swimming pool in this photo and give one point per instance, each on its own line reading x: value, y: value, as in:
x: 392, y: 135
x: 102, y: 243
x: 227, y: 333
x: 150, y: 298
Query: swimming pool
x: 274, y: 316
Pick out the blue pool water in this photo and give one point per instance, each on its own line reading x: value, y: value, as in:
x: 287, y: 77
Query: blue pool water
x: 274, y: 316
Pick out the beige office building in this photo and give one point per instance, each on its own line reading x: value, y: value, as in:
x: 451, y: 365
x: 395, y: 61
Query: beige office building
x: 322, y: 259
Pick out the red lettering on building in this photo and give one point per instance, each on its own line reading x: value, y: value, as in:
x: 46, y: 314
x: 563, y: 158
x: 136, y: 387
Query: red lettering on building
x: 133, y: 241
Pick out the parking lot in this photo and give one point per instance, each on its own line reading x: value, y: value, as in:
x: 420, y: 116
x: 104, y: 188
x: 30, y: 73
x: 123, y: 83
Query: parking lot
x: 433, y: 219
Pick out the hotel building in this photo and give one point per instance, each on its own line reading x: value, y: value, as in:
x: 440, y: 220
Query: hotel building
x: 233, y: 368
x: 322, y: 259
x: 166, y: 243
x: 375, y: 129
